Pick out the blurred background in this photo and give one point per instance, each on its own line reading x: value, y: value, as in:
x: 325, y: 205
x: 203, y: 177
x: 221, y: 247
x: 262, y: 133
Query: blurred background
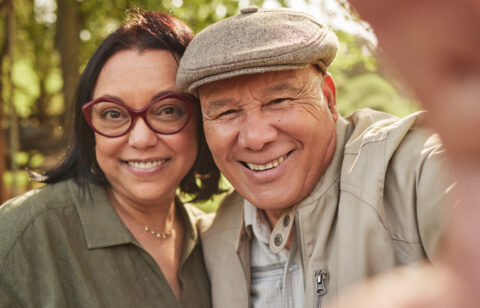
x: 45, y: 44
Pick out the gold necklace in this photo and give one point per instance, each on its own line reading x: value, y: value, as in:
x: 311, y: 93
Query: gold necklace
x: 147, y: 229
x: 159, y: 234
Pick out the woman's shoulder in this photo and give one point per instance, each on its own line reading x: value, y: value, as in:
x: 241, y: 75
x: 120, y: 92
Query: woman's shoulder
x: 17, y: 214
x: 36, y: 200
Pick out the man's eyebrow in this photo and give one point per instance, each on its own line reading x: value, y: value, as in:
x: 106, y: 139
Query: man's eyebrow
x: 281, y: 87
x: 219, y: 103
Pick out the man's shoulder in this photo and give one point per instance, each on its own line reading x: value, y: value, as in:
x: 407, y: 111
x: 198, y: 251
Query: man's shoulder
x: 372, y: 126
x: 200, y: 219
x: 229, y: 215
x: 382, y: 145
x: 17, y: 214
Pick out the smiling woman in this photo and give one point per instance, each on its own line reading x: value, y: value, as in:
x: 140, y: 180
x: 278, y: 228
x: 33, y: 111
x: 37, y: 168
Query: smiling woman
x: 109, y: 228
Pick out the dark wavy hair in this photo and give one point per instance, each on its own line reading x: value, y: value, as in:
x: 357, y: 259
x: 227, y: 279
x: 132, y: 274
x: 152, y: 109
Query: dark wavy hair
x: 142, y: 31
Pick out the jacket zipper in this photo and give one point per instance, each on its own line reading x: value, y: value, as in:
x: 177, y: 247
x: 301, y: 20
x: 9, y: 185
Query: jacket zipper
x: 320, y: 286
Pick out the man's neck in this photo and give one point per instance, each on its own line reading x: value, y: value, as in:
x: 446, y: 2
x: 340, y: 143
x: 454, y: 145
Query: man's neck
x: 273, y: 216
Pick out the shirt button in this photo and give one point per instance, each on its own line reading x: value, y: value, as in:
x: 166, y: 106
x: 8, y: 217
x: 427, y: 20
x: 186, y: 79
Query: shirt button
x: 286, y: 221
x: 293, y: 268
x: 278, y: 240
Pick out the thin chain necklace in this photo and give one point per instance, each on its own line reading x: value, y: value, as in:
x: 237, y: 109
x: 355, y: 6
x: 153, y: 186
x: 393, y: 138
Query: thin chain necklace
x: 160, y: 235
x: 146, y: 228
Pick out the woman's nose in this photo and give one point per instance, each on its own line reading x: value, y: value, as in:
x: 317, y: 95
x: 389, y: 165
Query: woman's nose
x: 141, y: 136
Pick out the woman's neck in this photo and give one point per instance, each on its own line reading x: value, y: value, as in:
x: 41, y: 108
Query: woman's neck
x: 158, y: 216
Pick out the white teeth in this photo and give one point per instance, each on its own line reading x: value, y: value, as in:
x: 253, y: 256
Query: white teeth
x: 268, y: 165
x: 147, y: 165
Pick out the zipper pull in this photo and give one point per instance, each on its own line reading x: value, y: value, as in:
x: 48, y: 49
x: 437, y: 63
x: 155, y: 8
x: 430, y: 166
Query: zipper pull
x: 320, y: 279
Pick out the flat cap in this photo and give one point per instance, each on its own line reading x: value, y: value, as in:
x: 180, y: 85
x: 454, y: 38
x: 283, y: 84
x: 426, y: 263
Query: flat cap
x: 256, y: 41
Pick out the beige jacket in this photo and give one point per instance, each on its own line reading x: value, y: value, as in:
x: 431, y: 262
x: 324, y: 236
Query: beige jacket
x: 379, y: 204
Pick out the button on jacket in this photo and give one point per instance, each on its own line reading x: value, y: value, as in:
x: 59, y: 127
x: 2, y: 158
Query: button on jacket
x: 60, y: 247
x: 380, y: 203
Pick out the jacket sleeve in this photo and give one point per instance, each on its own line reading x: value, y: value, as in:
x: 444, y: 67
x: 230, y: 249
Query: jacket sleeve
x: 435, y: 195
x: 7, y: 298
x: 418, y: 193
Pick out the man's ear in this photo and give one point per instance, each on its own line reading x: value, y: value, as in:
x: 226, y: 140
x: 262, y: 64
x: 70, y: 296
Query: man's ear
x: 330, y: 92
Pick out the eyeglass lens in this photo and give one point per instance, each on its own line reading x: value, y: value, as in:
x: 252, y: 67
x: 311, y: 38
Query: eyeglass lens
x: 165, y: 116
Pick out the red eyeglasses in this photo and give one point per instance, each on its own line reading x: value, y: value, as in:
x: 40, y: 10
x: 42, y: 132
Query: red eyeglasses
x: 166, y: 115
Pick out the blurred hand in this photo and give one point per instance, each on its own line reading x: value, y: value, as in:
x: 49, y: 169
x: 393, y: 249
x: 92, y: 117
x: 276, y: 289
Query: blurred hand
x: 435, y: 46
x: 421, y: 286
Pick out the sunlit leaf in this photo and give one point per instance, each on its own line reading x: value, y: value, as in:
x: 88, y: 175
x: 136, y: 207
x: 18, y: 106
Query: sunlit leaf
x: 21, y: 158
x: 36, y: 160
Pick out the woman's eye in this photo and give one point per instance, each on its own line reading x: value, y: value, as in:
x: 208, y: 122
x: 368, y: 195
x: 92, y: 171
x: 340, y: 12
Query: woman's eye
x: 170, y: 111
x: 111, y: 114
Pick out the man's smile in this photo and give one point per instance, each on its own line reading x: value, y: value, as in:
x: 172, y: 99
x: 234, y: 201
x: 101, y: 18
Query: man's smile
x: 266, y: 166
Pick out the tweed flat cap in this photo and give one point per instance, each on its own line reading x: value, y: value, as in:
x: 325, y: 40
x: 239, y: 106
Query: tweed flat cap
x: 256, y: 41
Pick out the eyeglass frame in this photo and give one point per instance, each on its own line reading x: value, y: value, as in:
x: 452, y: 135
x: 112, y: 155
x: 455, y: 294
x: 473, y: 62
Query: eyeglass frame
x: 135, y: 113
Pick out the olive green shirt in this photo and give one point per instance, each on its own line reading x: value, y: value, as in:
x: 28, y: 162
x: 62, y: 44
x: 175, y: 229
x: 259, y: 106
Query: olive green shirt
x: 61, y: 246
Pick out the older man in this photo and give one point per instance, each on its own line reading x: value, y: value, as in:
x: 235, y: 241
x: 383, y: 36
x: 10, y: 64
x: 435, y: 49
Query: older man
x: 322, y: 201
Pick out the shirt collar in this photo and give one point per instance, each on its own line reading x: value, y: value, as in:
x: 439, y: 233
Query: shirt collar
x: 101, y: 224
x: 102, y: 227
x: 256, y: 219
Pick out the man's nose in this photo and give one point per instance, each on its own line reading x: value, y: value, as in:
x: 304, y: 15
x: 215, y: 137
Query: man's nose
x: 141, y: 136
x: 256, y: 131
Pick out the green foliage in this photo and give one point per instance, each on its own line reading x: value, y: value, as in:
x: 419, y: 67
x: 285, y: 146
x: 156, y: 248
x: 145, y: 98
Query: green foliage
x: 37, y: 76
x: 36, y: 160
x: 360, y: 83
x: 27, y: 87
x: 53, y: 81
x: 30, y: 160
x: 372, y: 91
x: 20, y: 178
x: 211, y: 205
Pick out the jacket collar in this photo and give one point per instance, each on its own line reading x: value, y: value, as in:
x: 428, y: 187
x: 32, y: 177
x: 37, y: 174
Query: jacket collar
x: 251, y: 220
x: 344, y: 130
x: 190, y: 231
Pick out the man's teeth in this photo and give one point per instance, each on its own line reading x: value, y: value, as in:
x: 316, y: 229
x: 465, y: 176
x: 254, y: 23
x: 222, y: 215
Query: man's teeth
x: 267, y: 166
x: 145, y: 165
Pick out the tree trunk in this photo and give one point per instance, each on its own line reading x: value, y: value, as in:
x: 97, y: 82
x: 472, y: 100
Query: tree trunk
x: 13, y: 138
x: 3, y: 141
x: 68, y: 44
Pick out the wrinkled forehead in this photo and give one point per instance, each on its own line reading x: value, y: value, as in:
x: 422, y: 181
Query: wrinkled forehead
x: 269, y: 83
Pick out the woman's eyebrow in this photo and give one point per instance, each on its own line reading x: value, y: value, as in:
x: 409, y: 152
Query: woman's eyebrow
x: 160, y: 94
x: 113, y: 97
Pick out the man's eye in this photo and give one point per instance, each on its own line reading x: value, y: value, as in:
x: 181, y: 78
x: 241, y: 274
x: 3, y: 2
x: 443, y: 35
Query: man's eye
x: 278, y: 101
x: 226, y: 113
